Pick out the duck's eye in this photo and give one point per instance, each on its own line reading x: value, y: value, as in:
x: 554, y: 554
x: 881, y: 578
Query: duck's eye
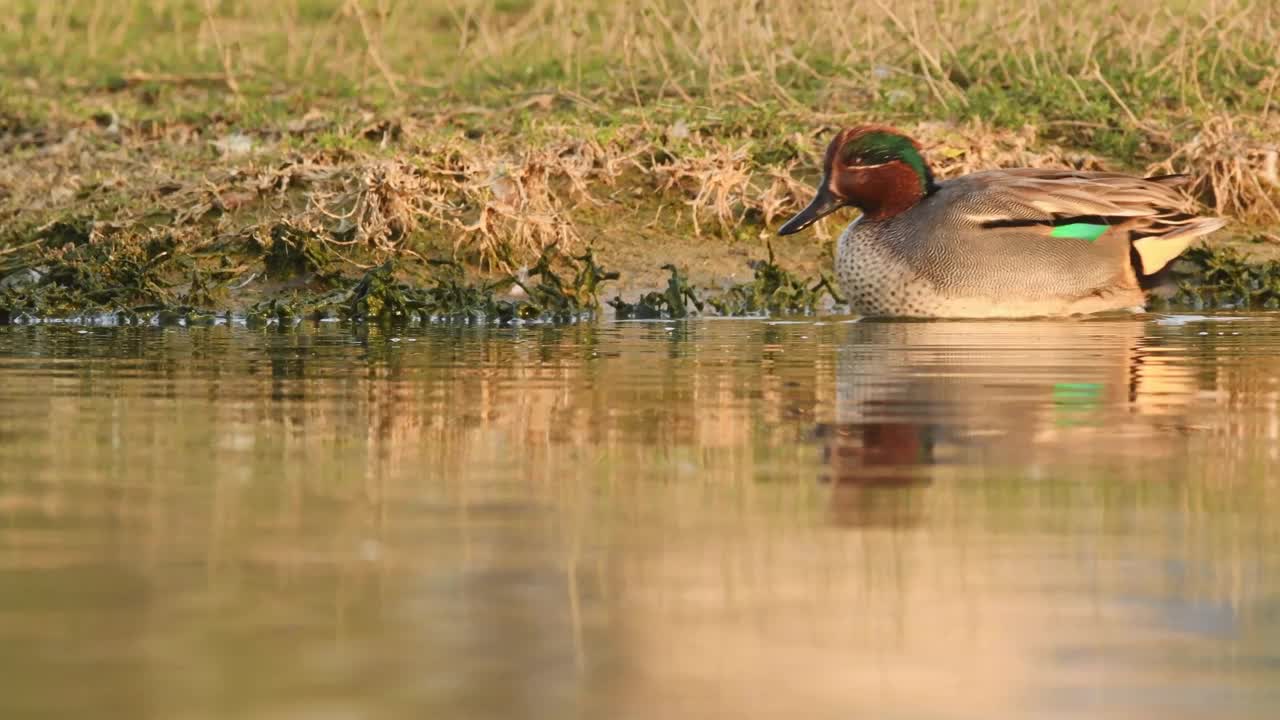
x: 865, y: 157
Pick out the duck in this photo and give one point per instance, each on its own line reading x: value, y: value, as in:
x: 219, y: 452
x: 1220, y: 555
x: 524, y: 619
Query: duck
x: 1006, y: 243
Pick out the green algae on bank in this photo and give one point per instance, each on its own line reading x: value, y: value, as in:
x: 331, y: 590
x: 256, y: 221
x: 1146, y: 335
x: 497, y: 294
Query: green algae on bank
x: 775, y: 290
x: 1224, y: 277
x: 677, y: 301
x: 303, y: 282
x: 558, y: 287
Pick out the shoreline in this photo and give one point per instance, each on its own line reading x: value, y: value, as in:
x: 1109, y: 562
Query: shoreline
x: 132, y: 214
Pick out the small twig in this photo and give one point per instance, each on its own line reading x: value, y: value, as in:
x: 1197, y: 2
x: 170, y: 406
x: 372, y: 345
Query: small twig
x: 1153, y: 132
x: 230, y: 77
x: 372, y: 48
x: 1078, y: 123
x: 912, y: 34
x: 1270, y: 173
x: 252, y: 276
x: 139, y: 78
x: 580, y: 99
x: 16, y: 248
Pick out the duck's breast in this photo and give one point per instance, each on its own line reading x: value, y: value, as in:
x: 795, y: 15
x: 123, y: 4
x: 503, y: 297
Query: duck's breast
x: 876, y: 278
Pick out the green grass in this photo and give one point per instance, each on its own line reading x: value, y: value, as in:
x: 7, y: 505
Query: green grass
x: 1007, y: 60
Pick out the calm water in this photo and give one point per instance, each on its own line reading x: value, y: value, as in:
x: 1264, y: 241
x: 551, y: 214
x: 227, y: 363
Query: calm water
x: 740, y: 519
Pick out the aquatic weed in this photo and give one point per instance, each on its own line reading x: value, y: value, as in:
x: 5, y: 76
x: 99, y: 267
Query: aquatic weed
x: 1225, y: 277
x: 552, y: 297
x: 774, y: 289
x: 449, y: 294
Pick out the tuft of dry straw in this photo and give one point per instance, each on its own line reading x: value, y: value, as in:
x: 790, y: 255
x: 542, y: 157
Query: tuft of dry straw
x: 495, y: 204
x: 1233, y: 169
x: 718, y: 181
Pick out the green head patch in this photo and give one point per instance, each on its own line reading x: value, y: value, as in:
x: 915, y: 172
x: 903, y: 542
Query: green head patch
x: 879, y: 147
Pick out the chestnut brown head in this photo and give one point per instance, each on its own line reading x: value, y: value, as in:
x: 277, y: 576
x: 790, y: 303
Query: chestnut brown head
x: 873, y: 168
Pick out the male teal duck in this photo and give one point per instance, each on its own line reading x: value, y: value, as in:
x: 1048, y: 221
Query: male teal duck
x: 1000, y: 243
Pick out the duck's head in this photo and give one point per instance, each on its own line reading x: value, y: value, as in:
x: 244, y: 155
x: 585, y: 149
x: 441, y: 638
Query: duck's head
x: 873, y: 168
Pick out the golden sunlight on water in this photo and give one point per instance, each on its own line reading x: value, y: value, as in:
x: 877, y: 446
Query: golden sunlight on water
x: 633, y: 520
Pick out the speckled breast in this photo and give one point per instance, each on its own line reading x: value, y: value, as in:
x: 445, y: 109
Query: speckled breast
x: 877, y: 281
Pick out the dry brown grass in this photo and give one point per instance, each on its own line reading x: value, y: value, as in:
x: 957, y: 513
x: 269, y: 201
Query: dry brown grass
x: 502, y: 206
x: 499, y: 128
x: 1234, y: 168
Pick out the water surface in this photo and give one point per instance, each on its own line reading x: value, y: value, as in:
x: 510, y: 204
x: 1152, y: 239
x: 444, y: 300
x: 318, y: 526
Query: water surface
x: 717, y: 518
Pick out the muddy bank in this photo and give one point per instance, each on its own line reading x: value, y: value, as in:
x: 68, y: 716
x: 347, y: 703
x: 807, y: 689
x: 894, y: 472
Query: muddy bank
x: 352, y: 214
x: 290, y: 277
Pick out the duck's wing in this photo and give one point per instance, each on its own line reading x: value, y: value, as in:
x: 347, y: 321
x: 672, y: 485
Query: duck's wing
x: 1117, y: 210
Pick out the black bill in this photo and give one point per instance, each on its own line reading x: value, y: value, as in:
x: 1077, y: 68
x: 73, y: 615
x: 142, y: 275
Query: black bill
x: 824, y: 203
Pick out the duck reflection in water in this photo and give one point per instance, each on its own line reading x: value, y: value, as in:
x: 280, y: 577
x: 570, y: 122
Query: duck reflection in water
x: 920, y: 402
x: 868, y: 464
x: 876, y: 454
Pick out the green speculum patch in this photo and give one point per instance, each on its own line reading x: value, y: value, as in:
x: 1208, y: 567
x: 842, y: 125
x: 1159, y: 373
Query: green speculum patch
x: 1079, y: 231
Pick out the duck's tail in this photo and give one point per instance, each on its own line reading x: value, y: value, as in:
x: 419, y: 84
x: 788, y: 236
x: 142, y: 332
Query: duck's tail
x: 1172, y: 236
